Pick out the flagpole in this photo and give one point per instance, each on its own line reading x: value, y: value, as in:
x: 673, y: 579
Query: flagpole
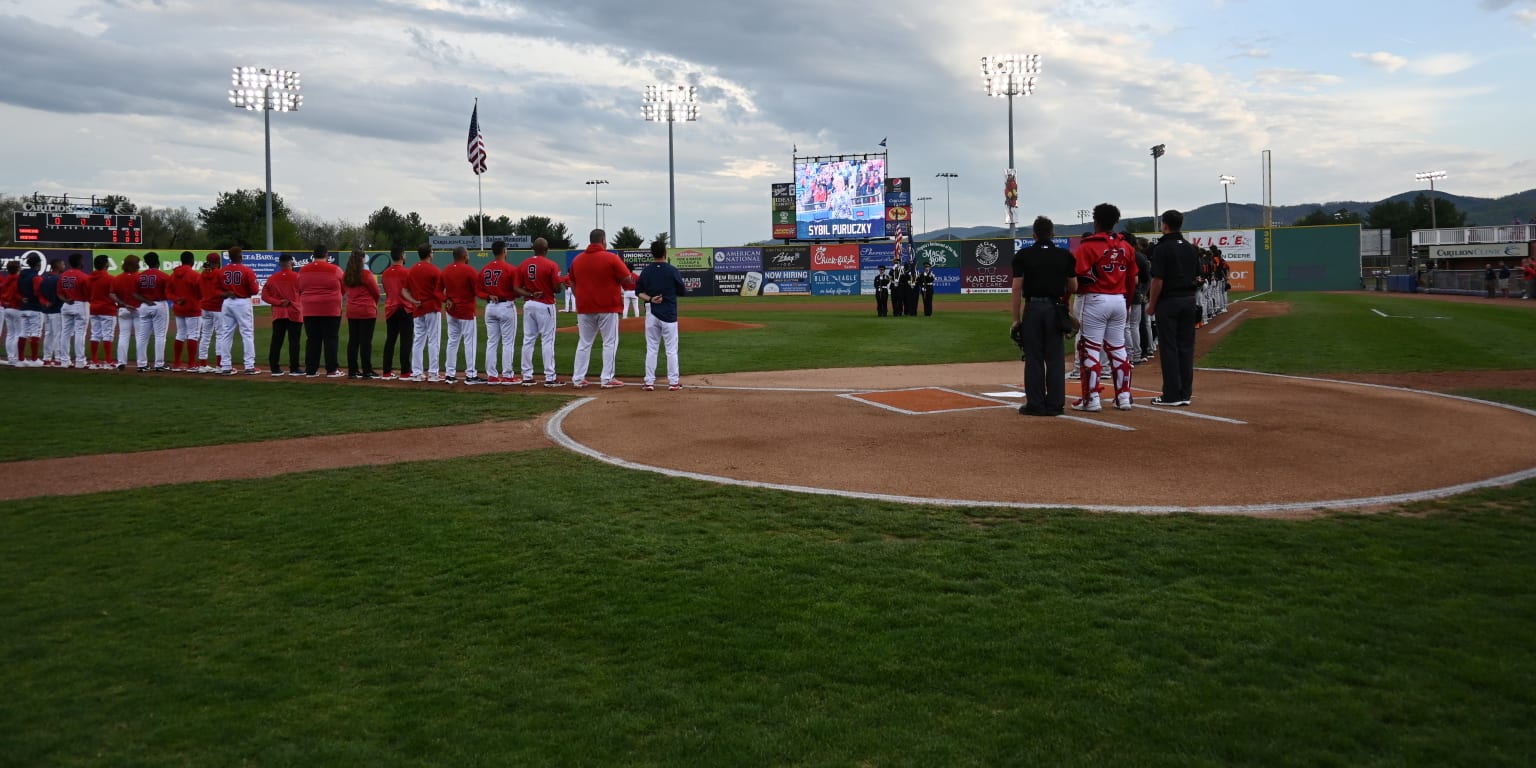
x: 480, y: 193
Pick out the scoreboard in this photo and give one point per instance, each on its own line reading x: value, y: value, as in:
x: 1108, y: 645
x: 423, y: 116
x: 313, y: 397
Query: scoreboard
x: 79, y: 227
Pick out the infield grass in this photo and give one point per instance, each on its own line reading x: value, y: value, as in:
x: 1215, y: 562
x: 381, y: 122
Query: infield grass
x: 563, y: 612
x: 73, y: 413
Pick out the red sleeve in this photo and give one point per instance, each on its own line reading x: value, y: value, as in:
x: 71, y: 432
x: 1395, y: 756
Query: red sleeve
x: 622, y: 272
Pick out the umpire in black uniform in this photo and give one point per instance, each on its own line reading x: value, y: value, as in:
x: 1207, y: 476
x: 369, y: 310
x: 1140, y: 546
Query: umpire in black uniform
x: 1043, y: 273
x: 882, y: 292
x: 1175, y: 281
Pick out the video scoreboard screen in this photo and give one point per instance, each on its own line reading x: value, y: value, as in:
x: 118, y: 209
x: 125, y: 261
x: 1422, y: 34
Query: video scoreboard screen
x: 80, y: 227
x: 840, y: 198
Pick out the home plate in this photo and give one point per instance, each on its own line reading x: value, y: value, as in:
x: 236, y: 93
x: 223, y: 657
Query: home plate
x: 1009, y: 394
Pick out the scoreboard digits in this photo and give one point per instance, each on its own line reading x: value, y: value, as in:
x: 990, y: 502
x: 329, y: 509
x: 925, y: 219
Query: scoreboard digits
x: 84, y: 228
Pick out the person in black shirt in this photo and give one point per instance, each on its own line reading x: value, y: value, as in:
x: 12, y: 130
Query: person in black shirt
x: 909, y: 273
x: 882, y: 292
x: 1042, y: 274
x: 1175, y: 281
x: 925, y: 286
x: 902, y: 277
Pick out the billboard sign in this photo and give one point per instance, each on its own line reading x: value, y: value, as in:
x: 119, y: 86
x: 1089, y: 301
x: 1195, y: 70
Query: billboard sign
x: 450, y: 242
x: 691, y: 258
x: 840, y: 199
x: 939, y: 254
x: 738, y: 259
x: 1235, y: 244
x: 876, y: 255
x: 825, y: 257
x: 786, y: 257
x: 835, y: 282
x: 947, y: 280
x: 787, y: 282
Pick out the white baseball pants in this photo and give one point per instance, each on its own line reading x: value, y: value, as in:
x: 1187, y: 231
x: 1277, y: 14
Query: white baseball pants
x: 658, y: 333
x: 207, y: 334
x: 462, y: 333
x: 77, y: 315
x: 237, y: 316
x: 102, y: 328
x: 53, y: 337
x: 127, y: 332
x: 1103, y: 331
x: 154, y: 321
x: 539, y: 323
x: 189, y: 328
x: 428, y: 341
x: 500, y: 336
x: 589, y: 326
x: 631, y: 301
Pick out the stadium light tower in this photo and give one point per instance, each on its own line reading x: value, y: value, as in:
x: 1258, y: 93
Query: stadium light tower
x: 1010, y: 75
x: 701, y: 232
x: 605, y: 207
x: 1157, y: 152
x: 1431, y: 177
x: 1082, y: 215
x: 268, y: 90
x: 597, y: 209
x: 669, y: 104
x: 949, y: 221
x: 1226, y: 200
x: 924, y: 200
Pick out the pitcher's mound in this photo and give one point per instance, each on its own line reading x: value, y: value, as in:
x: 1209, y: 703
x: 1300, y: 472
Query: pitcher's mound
x: 685, y: 324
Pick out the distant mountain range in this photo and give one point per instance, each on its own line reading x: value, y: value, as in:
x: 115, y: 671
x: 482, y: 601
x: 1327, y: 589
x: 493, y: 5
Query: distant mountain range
x: 1480, y: 211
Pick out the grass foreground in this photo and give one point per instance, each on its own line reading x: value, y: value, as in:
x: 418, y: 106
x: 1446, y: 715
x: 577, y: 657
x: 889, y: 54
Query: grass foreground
x: 562, y: 612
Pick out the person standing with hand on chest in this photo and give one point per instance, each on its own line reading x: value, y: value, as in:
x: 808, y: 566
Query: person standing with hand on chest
x: 659, y: 286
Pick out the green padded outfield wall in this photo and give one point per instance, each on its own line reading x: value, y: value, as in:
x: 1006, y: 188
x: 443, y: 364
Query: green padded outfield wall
x: 1310, y: 258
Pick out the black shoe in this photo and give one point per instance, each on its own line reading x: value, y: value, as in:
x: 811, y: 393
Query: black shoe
x: 142, y: 369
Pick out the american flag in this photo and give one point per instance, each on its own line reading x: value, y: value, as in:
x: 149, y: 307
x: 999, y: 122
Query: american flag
x: 476, y: 143
x: 898, y: 244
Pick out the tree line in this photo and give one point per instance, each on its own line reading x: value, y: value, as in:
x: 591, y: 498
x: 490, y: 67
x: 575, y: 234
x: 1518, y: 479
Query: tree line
x: 1400, y: 216
x: 239, y: 217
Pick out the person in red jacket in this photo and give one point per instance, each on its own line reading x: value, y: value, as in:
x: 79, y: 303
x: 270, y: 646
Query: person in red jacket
x: 212, y: 305
x: 75, y: 292
x: 460, y: 282
x: 238, y: 282
x: 281, y: 293
x: 599, y: 277
x: 186, y: 295
x: 154, y: 314
x: 498, y: 286
x: 539, y: 281
x: 1106, y: 276
x: 425, y: 292
x: 125, y: 294
x: 398, y: 323
x: 10, y: 299
x: 362, y: 290
x: 320, y: 297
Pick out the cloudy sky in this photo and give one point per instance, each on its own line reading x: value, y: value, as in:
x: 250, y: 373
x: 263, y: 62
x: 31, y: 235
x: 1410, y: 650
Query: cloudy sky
x: 129, y: 97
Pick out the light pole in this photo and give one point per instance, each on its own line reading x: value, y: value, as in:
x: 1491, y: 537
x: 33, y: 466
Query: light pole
x: 267, y: 90
x: 949, y: 222
x: 1010, y: 75
x: 670, y: 103
x: 596, y: 206
x: 924, y: 200
x: 701, y: 233
x: 1226, y: 199
x: 605, y: 207
x: 1082, y: 215
x: 1431, y: 177
x: 1157, y: 152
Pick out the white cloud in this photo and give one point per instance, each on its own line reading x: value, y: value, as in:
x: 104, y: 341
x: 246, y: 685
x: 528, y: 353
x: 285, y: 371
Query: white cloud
x: 1381, y: 59
x: 1442, y: 64
x: 1526, y: 16
x: 1295, y: 78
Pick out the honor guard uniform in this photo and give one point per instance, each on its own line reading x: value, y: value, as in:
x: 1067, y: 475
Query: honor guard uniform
x: 882, y: 292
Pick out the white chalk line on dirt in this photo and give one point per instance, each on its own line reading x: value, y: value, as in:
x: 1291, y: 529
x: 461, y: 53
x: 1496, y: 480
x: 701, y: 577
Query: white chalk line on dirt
x: 554, y: 429
x: 1229, y: 321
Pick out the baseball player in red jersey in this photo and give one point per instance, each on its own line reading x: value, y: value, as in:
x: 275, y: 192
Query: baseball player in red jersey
x: 212, y: 305
x: 460, y: 284
x: 185, y: 294
x: 10, y: 311
x: 238, y: 282
x: 425, y: 286
x: 397, y: 316
x: 75, y: 292
x: 498, y: 286
x: 154, y: 313
x: 539, y: 281
x: 125, y: 293
x: 103, y: 315
x: 1106, y: 274
x: 599, y: 277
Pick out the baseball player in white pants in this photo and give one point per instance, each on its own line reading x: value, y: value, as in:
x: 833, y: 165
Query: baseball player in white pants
x: 538, y: 323
x: 208, y: 333
x: 154, y: 321
x: 102, y: 329
x: 1106, y: 264
x: 463, y: 333
x: 631, y: 302
x: 237, y: 316
x: 500, y: 337
x: 127, y: 332
x: 587, y: 327
x: 53, y: 339
x: 76, y: 317
x: 570, y: 301
x: 428, y: 341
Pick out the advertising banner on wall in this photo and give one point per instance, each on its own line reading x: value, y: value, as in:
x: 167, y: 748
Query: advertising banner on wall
x: 876, y: 255
x: 1025, y: 242
x: 898, y: 205
x: 786, y: 257
x: 635, y: 258
x: 264, y: 263
x: 1235, y: 244
x: 835, y: 282
x: 691, y: 258
x: 985, y: 280
x: 736, y: 283
x: 947, y: 280
x: 789, y: 282
x: 986, y: 254
x: 1487, y: 252
x: 738, y: 259
x: 47, y: 255
x: 783, y: 196
x: 699, y: 282
x: 824, y: 257
x: 939, y: 255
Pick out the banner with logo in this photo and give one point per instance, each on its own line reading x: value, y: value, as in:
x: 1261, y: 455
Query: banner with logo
x: 985, y: 254
x: 48, y: 255
x: 784, y: 227
x: 691, y: 258
x: 824, y: 257
x: 1235, y: 244
x: 876, y: 255
x: 939, y: 254
x: 635, y: 258
x: 947, y: 280
x: 783, y: 211
x: 778, y: 258
x: 699, y: 282
x: 1025, y: 242
x: 985, y: 280
x: 787, y: 282
x: 738, y: 283
x: 1487, y: 252
x: 898, y: 205
x: 835, y: 282
x: 738, y: 259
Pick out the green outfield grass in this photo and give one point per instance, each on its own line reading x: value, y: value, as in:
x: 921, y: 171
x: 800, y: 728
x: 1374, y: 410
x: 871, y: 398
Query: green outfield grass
x: 558, y: 611
x: 1525, y: 398
x: 73, y: 413
x: 1325, y: 333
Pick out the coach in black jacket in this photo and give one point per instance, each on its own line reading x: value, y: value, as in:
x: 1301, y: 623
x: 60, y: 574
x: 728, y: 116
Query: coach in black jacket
x: 1175, y: 281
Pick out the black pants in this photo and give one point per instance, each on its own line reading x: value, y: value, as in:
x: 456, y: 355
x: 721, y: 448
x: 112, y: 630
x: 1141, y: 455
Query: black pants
x: 1144, y: 329
x: 927, y: 302
x: 1176, y: 318
x: 1045, y: 364
x: 912, y: 301
x: 399, y: 328
x: 898, y: 300
x: 281, y: 330
x: 320, y: 331
x: 360, y: 345
x: 881, y: 299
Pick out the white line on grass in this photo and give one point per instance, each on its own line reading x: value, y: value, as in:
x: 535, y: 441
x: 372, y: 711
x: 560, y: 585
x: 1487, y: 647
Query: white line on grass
x: 1379, y: 312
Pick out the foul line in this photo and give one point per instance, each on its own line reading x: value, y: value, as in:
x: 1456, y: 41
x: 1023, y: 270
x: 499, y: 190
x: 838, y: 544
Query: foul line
x: 857, y: 396
x: 1379, y: 312
x: 1096, y: 422
x: 554, y: 429
x: 773, y: 389
x: 1178, y: 410
x: 1229, y: 321
x: 1251, y: 298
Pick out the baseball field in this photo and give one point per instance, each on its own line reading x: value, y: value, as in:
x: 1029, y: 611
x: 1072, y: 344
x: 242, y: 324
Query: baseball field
x: 257, y: 571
